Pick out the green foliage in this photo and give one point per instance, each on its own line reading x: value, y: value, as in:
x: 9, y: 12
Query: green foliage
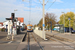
x: 3, y: 29
x: 35, y: 26
x: 0, y: 29
x: 64, y: 17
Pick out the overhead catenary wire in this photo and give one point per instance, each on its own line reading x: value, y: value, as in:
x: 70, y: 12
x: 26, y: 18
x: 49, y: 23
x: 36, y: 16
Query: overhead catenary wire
x: 30, y: 3
x: 51, y: 5
x: 40, y: 2
x: 47, y: 2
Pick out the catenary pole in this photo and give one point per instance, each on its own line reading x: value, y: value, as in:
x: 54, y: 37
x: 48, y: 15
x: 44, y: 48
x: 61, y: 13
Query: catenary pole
x: 44, y: 19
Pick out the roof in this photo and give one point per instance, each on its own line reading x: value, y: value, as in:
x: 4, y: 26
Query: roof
x: 20, y: 19
x: 29, y: 25
x: 1, y: 23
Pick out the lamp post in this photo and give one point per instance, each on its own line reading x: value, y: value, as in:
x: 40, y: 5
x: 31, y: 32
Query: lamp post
x: 15, y: 10
x: 69, y: 25
x: 64, y: 21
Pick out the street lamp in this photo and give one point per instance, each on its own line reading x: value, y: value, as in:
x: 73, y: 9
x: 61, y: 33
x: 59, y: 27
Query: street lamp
x: 64, y: 21
x: 69, y: 25
x: 25, y: 1
x: 15, y: 10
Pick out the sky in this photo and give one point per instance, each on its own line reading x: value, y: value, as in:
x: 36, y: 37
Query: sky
x: 35, y: 12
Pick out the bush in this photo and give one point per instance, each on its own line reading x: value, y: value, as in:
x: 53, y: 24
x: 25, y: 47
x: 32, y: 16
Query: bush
x: 0, y: 29
x: 3, y: 29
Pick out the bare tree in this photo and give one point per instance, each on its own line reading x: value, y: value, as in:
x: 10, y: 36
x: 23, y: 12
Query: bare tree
x: 49, y: 17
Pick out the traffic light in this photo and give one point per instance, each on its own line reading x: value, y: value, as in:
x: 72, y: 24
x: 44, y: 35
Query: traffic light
x: 13, y: 16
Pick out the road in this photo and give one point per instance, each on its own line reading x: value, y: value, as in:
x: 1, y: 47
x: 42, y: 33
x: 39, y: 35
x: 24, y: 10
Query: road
x: 47, y: 45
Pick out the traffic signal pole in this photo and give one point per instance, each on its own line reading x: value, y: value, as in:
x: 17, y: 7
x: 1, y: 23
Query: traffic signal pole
x: 12, y: 25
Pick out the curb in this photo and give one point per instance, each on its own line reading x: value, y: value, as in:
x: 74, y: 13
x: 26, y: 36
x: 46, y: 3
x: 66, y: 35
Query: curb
x: 22, y: 37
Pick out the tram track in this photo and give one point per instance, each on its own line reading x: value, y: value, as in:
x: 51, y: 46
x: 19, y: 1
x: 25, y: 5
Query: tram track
x: 52, y: 38
x: 28, y: 41
x: 29, y: 37
x: 37, y: 42
x: 62, y: 41
x: 56, y: 38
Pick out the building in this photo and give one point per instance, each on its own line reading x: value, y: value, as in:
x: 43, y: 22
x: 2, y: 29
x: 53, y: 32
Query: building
x: 21, y: 20
x: 5, y: 23
x: 1, y: 24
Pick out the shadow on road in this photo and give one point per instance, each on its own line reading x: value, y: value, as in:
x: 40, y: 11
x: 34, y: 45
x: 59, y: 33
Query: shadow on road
x: 21, y: 33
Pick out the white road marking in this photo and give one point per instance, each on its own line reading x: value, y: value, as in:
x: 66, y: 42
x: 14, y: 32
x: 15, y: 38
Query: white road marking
x: 10, y: 42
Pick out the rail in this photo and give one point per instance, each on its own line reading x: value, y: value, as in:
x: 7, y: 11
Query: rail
x: 37, y: 42
x: 28, y: 42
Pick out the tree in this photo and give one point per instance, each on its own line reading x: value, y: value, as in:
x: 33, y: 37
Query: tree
x: 35, y: 25
x: 67, y: 15
x: 48, y: 17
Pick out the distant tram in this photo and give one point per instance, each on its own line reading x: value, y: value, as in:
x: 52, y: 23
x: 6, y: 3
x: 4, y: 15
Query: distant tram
x: 29, y: 28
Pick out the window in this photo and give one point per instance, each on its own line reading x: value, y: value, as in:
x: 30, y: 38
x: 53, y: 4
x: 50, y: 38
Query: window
x: 29, y: 27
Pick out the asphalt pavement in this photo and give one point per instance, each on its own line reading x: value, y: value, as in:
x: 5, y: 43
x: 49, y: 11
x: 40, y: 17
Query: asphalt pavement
x: 17, y: 44
x: 68, y: 36
x: 9, y: 44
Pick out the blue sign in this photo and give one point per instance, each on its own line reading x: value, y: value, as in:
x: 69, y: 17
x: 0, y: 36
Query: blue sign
x: 43, y: 25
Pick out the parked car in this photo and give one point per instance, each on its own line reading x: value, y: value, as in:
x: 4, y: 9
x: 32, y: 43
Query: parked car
x: 73, y: 31
x: 67, y: 30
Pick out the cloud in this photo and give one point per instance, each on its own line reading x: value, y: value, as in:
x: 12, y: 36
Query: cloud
x: 72, y: 8
x: 6, y: 8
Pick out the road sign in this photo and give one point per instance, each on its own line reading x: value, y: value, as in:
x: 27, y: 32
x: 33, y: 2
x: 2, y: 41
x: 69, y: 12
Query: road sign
x: 43, y: 25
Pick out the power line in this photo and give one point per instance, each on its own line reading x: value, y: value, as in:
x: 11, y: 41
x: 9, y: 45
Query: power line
x: 30, y: 3
x: 40, y: 2
x: 51, y: 5
x: 47, y: 2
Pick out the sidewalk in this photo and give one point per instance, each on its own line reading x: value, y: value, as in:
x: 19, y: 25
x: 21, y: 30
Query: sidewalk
x: 17, y: 38
x: 9, y: 44
x: 66, y: 36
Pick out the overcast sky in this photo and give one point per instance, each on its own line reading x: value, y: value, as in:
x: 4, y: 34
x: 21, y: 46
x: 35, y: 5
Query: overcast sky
x: 8, y: 6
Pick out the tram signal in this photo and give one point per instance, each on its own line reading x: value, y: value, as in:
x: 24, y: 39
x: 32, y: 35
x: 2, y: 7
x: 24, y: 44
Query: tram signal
x: 13, y: 16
